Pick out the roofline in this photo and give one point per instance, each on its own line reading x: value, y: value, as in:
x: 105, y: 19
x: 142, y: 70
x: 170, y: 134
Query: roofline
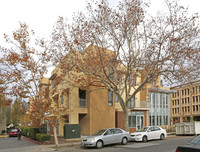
x: 186, y: 84
x: 161, y: 90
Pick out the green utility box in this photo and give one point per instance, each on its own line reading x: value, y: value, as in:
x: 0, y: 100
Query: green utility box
x: 72, y: 131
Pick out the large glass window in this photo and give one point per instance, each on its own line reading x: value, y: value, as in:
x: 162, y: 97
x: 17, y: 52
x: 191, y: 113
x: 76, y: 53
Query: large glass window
x: 159, y: 112
x: 136, y: 119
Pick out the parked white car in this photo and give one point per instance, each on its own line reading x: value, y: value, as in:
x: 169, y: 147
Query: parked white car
x: 105, y: 137
x: 149, y: 133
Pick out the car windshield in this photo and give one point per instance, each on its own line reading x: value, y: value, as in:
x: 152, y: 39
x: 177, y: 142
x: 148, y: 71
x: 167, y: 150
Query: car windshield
x: 142, y: 129
x: 14, y: 130
x: 195, y: 140
x: 100, y: 132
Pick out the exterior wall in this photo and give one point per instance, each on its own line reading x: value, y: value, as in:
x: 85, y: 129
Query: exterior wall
x: 101, y: 114
x: 185, y: 103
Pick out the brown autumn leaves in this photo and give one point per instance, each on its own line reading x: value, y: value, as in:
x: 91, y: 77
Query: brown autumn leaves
x: 141, y: 46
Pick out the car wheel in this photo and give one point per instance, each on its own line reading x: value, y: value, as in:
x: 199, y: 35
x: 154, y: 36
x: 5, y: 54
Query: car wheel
x: 99, y: 144
x: 162, y: 136
x: 144, y: 138
x: 124, y: 141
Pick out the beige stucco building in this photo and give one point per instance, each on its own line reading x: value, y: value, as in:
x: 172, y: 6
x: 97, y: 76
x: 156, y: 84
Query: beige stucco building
x: 100, y: 108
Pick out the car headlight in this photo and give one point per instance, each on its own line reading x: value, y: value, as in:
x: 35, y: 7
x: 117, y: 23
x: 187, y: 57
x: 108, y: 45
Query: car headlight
x: 92, y: 140
x: 138, y: 135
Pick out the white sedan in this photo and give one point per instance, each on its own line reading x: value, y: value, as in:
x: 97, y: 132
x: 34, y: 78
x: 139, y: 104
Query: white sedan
x: 149, y: 133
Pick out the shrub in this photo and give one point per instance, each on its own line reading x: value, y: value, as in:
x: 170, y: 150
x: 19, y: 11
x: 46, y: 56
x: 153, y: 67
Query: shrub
x: 30, y: 132
x: 3, y: 131
x: 25, y: 131
x: 42, y: 137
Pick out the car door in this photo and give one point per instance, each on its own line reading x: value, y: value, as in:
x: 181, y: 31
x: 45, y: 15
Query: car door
x: 157, y: 132
x: 108, y: 137
x: 118, y: 135
x: 150, y: 133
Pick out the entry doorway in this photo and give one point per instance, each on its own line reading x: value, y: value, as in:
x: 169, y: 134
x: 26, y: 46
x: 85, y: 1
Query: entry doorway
x: 139, y: 121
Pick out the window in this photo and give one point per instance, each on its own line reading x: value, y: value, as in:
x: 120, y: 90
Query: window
x: 193, y: 108
x: 53, y: 83
x: 67, y: 99
x: 134, y: 81
x: 111, y: 72
x: 62, y: 99
x: 46, y: 91
x: 82, y: 98
x: 41, y: 92
x: 116, y: 98
x: 131, y: 120
x: 118, y: 131
x: 131, y: 103
x: 110, y: 98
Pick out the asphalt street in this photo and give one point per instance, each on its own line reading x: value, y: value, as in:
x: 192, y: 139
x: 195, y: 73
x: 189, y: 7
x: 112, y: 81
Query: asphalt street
x: 168, y: 145
x: 11, y: 144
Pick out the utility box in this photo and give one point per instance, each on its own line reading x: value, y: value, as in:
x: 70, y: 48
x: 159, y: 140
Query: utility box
x: 188, y: 128
x: 72, y: 131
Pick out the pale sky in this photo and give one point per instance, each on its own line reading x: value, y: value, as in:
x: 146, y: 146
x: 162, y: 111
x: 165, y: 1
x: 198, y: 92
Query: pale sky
x: 41, y: 15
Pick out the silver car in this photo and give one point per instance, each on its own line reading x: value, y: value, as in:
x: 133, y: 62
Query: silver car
x: 105, y: 137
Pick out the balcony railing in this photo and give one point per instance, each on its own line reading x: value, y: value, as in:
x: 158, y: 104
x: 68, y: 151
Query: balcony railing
x: 140, y: 105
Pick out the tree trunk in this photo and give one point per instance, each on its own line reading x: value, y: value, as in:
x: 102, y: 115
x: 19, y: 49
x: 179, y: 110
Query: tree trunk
x: 126, y: 120
x: 55, y: 136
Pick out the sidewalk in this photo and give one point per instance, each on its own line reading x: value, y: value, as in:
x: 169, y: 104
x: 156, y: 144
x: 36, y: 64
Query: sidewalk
x: 69, y: 143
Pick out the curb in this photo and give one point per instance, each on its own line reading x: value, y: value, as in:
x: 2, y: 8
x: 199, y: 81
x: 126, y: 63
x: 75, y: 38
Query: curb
x: 2, y: 136
x: 34, y: 141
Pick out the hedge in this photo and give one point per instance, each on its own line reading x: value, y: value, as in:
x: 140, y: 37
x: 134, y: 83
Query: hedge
x: 30, y: 132
x: 3, y: 131
x: 42, y: 137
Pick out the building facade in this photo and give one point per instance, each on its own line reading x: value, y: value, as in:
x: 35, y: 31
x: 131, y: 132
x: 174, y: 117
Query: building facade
x: 159, y: 114
x: 101, y: 109
x: 185, y: 102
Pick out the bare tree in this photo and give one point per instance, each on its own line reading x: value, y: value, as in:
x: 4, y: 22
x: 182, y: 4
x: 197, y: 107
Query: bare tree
x: 142, y: 47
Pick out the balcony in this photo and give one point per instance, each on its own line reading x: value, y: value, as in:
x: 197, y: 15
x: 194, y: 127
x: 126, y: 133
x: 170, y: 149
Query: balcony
x: 140, y: 105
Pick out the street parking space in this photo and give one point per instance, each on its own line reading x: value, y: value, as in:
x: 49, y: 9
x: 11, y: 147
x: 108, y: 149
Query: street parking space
x: 168, y: 145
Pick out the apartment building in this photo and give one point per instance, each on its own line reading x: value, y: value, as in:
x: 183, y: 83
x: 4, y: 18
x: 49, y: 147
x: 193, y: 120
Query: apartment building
x: 101, y: 109
x: 185, y: 102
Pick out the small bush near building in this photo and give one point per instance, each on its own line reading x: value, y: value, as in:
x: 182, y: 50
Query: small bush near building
x: 3, y: 131
x: 42, y: 137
